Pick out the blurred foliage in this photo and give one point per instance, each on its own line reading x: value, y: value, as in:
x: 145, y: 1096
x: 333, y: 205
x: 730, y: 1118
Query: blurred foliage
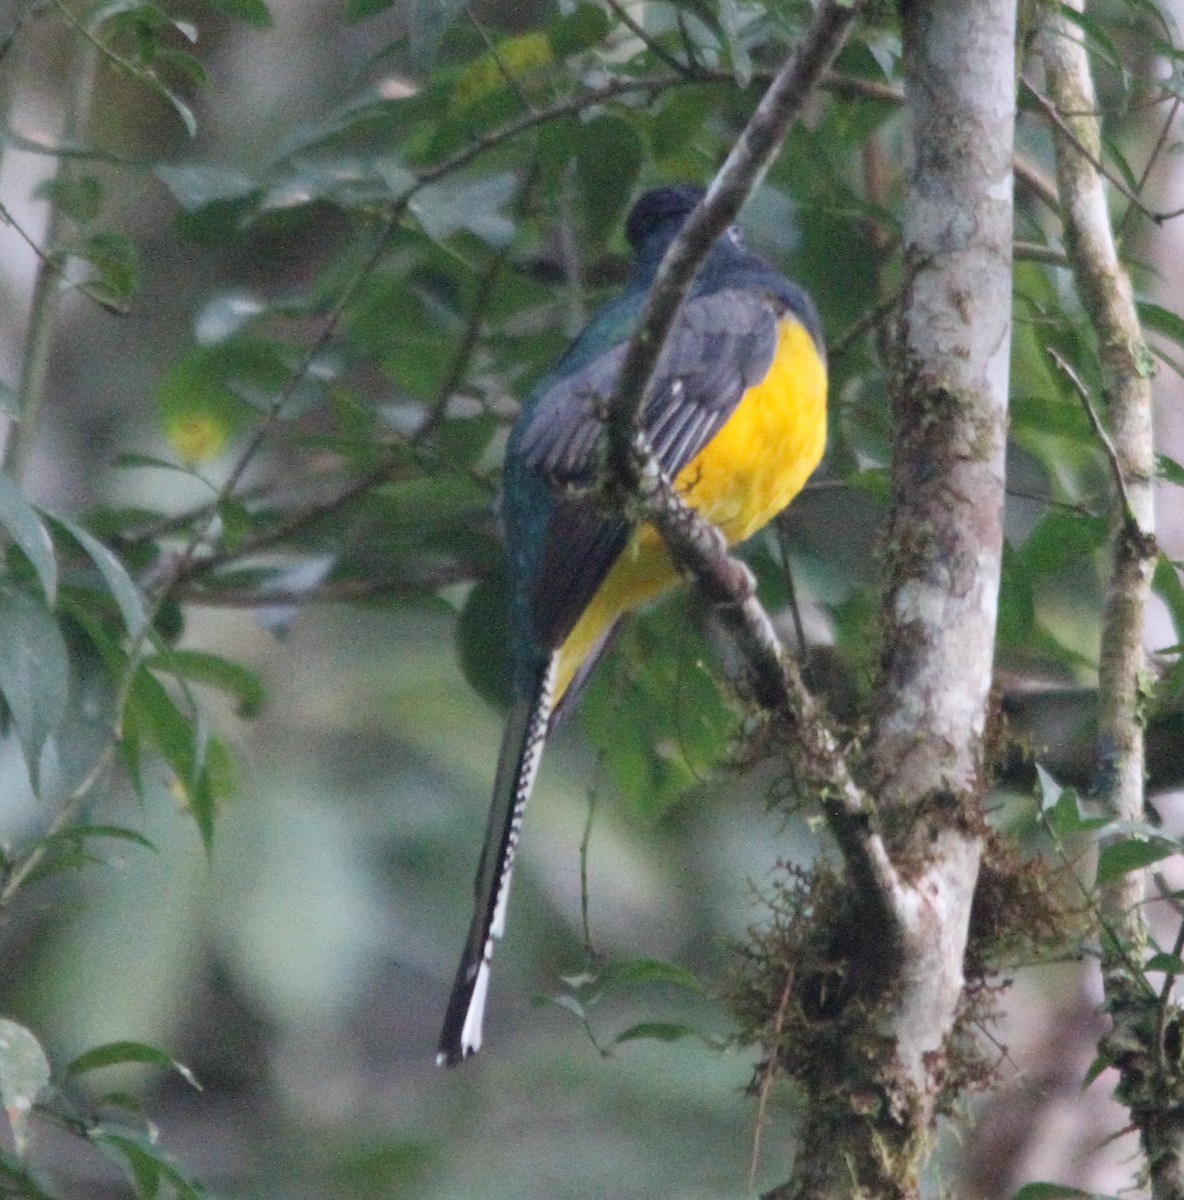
x: 394, y: 269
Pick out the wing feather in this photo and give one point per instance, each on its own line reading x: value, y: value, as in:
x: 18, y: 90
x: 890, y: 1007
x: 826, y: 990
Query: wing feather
x: 722, y: 344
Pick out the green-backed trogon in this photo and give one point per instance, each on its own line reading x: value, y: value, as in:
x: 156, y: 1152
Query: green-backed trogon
x: 736, y: 417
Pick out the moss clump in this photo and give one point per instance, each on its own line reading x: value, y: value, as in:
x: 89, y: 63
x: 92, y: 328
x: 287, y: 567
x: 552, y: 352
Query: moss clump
x: 807, y: 982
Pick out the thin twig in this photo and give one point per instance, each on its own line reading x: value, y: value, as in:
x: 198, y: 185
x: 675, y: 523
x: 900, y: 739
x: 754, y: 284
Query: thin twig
x: 1156, y: 150
x: 1120, y: 777
x: 466, y: 348
x: 791, y: 595
x: 69, y: 807
x: 870, y: 319
x: 331, y: 592
x: 655, y: 47
x: 1099, y: 429
x: 585, y: 846
x: 1039, y: 252
x: 504, y: 71
x: 768, y: 1075
x: 1029, y: 172
x: 747, y: 163
x: 43, y: 306
x: 1054, y: 115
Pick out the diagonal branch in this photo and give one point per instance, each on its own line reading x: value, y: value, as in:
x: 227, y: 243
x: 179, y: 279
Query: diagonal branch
x: 699, y: 549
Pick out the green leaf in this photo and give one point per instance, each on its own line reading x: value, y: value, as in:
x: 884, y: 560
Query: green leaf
x: 34, y: 671
x: 507, y: 69
x: 359, y: 10
x: 1060, y: 540
x: 121, y: 585
x: 181, y: 109
x: 1051, y: 1191
x: 152, y: 714
x: 1051, y: 792
x: 1096, y: 36
x: 1169, y: 470
x: 641, y: 971
x: 735, y: 17
x: 215, y: 785
x: 1167, y: 586
x: 660, y: 1031
x: 19, y: 517
x: 67, y: 849
x: 1162, y: 321
x: 657, y: 713
x: 134, y: 460
x: 578, y: 30
x: 112, y: 1054
x: 199, y: 411
x: 116, y: 263
x: 253, y: 12
x: 347, y: 180
x: 24, y: 1075
x: 214, y: 671
x: 197, y: 185
x: 483, y: 640
x: 1061, y: 808
x: 429, y: 21
x: 570, y: 1003
x: 608, y: 154
x: 469, y: 204
x: 237, y: 524
x: 1132, y: 854
x: 146, y: 1164
x: 1169, y: 964
x: 79, y: 198
x: 1095, y: 1068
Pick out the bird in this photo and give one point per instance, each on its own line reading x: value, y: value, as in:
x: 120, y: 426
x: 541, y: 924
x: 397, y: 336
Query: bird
x: 736, y: 417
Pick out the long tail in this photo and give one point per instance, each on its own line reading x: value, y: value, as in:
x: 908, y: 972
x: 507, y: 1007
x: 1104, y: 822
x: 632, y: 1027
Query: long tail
x: 518, y: 764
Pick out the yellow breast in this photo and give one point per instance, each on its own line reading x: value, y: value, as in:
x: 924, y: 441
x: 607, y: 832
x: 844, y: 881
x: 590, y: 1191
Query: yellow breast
x: 753, y: 467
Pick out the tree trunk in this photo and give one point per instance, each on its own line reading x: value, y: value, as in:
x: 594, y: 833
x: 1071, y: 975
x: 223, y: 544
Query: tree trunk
x: 873, y: 1114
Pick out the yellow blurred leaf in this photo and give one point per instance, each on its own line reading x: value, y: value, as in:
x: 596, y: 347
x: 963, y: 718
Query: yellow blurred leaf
x: 513, y: 58
x: 197, y: 437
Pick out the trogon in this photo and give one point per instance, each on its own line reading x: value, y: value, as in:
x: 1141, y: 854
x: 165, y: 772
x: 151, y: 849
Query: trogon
x: 736, y: 417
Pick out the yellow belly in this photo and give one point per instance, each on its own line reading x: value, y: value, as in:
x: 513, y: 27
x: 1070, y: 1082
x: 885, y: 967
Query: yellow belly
x: 753, y: 467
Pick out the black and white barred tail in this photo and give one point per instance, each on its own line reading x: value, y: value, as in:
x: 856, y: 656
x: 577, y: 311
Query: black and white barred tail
x: 518, y: 764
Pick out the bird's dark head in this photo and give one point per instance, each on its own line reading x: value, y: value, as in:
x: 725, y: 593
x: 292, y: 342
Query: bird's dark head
x: 661, y: 212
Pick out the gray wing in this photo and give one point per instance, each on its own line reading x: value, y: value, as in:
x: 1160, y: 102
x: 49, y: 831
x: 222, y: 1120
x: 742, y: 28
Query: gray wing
x: 721, y: 345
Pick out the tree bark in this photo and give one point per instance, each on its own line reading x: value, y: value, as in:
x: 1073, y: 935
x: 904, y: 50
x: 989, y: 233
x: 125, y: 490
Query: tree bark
x: 945, y: 542
x: 873, y: 1132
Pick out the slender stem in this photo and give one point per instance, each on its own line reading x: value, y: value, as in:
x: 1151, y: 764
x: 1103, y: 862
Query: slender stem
x: 43, y: 306
x: 655, y: 47
x: 68, y: 810
x: 1067, y: 122
x: 585, y: 850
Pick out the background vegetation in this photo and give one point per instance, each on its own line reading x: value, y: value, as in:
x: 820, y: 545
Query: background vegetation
x: 273, y: 280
